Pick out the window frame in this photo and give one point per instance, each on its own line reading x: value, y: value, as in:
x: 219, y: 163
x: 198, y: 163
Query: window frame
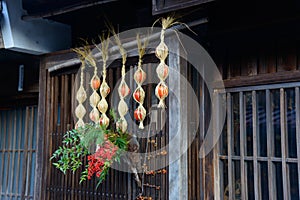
x: 255, y: 158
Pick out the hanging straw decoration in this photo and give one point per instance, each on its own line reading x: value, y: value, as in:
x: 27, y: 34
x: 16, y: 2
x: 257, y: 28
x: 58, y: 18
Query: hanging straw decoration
x: 95, y: 84
x: 104, y: 88
x: 140, y: 77
x: 162, y: 70
x: 81, y: 96
x: 123, y: 89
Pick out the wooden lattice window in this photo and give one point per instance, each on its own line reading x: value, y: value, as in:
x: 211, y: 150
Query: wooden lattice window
x: 259, y: 149
x: 18, y: 132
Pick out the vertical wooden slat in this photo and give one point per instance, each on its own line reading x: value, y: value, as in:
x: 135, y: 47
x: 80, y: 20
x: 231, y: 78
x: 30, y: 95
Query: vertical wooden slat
x: 286, y: 57
x: 267, y: 60
x: 229, y: 146
x: 50, y: 134
x: 270, y: 146
x: 29, y: 141
x: 24, y: 166
x: 217, y: 169
x: 75, y: 176
x: 64, y: 179
x: 46, y: 109
x: 46, y: 132
x: 190, y: 155
x: 283, y: 143
x: 203, y: 109
x: 297, y: 102
x: 3, y: 131
x: 255, y: 146
x: 19, y: 148
x: 55, y: 134
x: 13, y: 150
x: 8, y: 145
x: 249, y: 65
x: 242, y: 145
x: 198, y: 186
x: 67, y: 127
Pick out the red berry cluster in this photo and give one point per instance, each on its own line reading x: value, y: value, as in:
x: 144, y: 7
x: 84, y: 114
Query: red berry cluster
x: 104, y: 154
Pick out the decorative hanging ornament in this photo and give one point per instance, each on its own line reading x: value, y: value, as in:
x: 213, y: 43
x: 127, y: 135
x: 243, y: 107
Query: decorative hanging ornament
x: 95, y: 84
x: 140, y: 77
x: 123, y: 89
x: 104, y: 88
x: 81, y: 96
x: 162, y: 70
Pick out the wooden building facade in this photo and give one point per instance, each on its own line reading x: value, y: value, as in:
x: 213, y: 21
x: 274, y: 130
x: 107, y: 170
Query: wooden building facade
x: 255, y: 46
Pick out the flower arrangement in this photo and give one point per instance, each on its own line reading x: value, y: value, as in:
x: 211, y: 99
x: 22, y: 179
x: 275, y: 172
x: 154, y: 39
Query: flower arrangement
x: 82, y: 142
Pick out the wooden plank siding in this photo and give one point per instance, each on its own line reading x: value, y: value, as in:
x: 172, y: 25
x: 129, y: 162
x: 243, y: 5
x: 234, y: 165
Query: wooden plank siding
x: 262, y: 64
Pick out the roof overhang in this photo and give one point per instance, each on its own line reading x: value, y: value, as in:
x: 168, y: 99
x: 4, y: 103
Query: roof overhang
x: 34, y: 37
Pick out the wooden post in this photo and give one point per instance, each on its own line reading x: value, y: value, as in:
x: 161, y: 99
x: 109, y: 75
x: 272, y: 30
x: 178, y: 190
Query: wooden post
x: 178, y: 183
x: 39, y: 177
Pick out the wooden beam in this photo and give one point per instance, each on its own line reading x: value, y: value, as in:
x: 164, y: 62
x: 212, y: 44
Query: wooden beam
x: 65, y: 10
x: 261, y: 79
x: 114, y: 50
x: 175, y: 6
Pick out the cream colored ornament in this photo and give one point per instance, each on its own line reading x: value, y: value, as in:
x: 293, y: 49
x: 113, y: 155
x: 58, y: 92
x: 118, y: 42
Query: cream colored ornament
x: 81, y: 96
